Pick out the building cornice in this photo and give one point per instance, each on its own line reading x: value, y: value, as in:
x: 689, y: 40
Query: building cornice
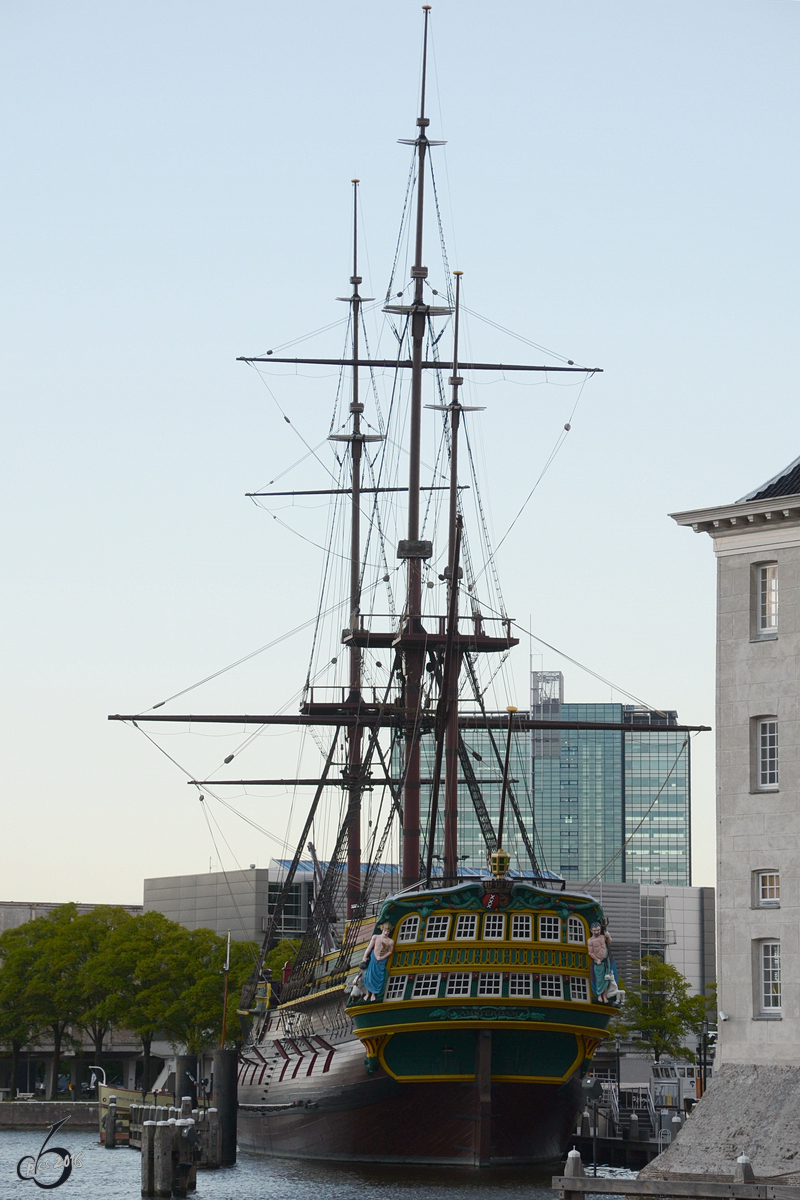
x: 764, y: 517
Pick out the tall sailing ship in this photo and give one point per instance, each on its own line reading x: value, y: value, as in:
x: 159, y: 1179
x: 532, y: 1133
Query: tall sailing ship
x: 468, y: 1042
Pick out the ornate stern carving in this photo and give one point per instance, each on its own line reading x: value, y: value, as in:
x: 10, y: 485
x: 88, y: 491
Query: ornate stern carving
x: 373, y: 1045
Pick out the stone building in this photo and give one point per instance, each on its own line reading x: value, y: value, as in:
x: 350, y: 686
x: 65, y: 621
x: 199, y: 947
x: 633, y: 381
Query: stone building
x: 16, y: 912
x: 243, y: 901
x: 757, y: 546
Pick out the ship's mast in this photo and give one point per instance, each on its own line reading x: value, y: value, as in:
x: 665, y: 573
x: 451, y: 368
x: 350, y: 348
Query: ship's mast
x: 413, y: 550
x: 453, y: 653
x: 453, y: 665
x: 354, y: 734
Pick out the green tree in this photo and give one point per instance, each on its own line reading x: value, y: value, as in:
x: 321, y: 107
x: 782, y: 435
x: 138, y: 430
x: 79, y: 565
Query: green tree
x: 194, y: 1018
x: 136, y: 967
x: 19, y: 1023
x: 661, y: 1010
x: 285, y: 951
x: 88, y: 935
x: 52, y: 964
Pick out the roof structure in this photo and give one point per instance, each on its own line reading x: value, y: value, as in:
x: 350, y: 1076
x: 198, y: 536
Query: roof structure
x: 785, y: 483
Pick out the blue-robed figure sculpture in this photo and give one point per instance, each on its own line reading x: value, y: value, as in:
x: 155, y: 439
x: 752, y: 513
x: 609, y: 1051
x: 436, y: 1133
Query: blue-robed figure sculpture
x: 376, y: 960
x: 604, y: 971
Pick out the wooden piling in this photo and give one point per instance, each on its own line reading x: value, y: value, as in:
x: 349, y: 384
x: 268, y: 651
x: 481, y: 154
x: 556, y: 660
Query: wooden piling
x: 185, y: 1066
x: 213, y: 1142
x: 744, y: 1170
x: 182, y: 1157
x: 162, y: 1159
x: 225, y: 1100
x: 148, y: 1140
x: 573, y: 1169
x: 111, y: 1124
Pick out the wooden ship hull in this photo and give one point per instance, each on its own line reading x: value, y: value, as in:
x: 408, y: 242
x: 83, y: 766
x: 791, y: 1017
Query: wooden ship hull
x: 377, y: 1119
x: 485, y: 1068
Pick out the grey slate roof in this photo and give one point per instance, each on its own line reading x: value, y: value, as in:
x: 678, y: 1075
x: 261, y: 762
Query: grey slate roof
x: 785, y: 483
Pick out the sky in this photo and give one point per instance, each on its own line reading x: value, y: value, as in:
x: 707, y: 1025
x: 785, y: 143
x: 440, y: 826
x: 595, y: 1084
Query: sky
x: 620, y: 185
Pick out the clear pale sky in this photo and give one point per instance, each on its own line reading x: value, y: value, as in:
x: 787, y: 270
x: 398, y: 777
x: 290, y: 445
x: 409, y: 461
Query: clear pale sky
x: 620, y: 184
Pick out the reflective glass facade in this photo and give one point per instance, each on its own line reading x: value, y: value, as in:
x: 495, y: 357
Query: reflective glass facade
x: 593, y: 791
x: 488, y: 774
x: 581, y: 795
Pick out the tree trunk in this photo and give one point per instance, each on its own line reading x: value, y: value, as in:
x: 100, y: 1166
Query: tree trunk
x: 56, y: 1031
x: 16, y: 1048
x: 146, y: 1063
x: 97, y: 1038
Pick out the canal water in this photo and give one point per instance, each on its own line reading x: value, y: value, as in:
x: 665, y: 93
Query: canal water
x: 100, y: 1174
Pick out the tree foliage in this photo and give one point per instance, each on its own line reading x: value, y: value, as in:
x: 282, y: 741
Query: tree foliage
x: 105, y: 969
x: 661, y: 1010
x: 285, y: 951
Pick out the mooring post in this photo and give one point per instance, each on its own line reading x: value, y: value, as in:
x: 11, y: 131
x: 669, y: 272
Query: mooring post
x: 185, y: 1069
x: 186, y: 1107
x: 744, y: 1170
x: 162, y: 1159
x: 183, y: 1156
x: 226, y: 1103
x: 573, y: 1169
x: 111, y: 1124
x: 213, y: 1139
x: 148, y: 1140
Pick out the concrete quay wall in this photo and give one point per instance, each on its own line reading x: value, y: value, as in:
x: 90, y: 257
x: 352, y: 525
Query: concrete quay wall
x: 750, y: 1110
x: 38, y: 1114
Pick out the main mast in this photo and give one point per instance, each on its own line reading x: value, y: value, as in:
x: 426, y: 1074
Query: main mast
x: 413, y: 550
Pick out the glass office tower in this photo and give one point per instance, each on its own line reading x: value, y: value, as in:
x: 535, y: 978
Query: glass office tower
x: 613, y: 805
x: 616, y: 805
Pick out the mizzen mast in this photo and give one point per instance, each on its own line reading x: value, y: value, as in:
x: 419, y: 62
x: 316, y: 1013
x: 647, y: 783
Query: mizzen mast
x: 352, y: 773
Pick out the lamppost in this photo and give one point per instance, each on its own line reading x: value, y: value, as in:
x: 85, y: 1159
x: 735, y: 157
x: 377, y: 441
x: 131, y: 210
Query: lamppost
x: 593, y: 1090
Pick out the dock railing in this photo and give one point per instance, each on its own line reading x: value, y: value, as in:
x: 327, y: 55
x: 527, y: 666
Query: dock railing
x: 575, y: 1184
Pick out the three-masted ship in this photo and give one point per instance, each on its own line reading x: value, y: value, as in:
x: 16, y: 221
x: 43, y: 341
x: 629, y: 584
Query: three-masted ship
x: 474, y: 1049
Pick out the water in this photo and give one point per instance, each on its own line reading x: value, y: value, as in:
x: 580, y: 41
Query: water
x: 116, y: 1175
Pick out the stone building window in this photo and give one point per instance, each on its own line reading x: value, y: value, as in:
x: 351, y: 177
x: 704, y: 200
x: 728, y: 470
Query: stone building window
x: 764, y: 754
x: 768, y: 598
x: 764, y: 601
x: 770, y: 978
x: 767, y: 890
